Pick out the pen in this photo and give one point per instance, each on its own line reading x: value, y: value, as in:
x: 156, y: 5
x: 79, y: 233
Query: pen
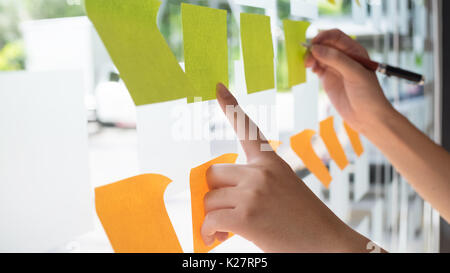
x: 385, y: 69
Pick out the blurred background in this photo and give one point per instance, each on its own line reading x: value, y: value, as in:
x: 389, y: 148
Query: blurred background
x: 55, y: 35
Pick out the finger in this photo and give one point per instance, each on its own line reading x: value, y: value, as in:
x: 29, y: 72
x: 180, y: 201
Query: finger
x: 222, y: 236
x: 224, y: 175
x: 217, y: 221
x: 309, y: 60
x: 340, y: 62
x: 224, y: 198
x: 248, y: 133
x: 319, y: 70
x: 339, y: 40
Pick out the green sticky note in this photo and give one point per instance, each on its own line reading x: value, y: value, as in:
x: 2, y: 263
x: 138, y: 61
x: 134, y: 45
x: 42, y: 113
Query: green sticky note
x: 145, y: 62
x: 257, y: 50
x: 295, y: 34
x: 205, y: 49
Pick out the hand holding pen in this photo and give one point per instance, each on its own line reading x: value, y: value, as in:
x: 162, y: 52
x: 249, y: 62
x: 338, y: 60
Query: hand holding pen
x: 382, y: 68
x: 353, y: 89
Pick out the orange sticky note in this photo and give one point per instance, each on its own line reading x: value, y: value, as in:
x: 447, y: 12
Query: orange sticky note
x: 199, y: 188
x: 329, y: 137
x: 275, y: 144
x: 355, y: 141
x: 134, y: 216
x: 301, y: 145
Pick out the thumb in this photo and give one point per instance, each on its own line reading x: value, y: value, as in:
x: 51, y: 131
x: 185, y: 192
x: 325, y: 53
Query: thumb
x: 339, y: 61
x: 252, y: 140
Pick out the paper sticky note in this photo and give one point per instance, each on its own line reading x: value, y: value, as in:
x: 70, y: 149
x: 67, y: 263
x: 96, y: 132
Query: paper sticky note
x: 334, y: 147
x: 205, y: 49
x: 144, y: 60
x: 257, y: 50
x: 301, y: 145
x: 134, y: 216
x: 275, y: 144
x: 355, y: 140
x: 295, y: 34
x: 199, y: 188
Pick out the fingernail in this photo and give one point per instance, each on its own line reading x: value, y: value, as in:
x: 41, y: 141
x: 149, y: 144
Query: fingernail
x: 222, y: 91
x: 319, y: 50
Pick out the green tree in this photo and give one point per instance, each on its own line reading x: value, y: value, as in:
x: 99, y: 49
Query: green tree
x: 43, y: 9
x: 9, y: 21
x: 12, y: 56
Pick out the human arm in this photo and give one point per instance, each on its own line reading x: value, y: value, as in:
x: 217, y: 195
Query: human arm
x: 358, y: 97
x: 265, y: 202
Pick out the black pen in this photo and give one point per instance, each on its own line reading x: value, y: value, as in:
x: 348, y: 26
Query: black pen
x: 384, y: 68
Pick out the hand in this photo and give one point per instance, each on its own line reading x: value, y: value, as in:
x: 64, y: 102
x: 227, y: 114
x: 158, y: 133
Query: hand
x: 353, y: 90
x: 265, y: 202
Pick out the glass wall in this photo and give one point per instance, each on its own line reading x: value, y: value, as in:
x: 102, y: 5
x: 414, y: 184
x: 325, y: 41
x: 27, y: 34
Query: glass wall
x: 397, y: 32
x: 369, y: 194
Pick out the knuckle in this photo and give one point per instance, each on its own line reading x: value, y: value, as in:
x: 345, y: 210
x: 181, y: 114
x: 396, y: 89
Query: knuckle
x: 333, y: 54
x: 210, y: 173
x: 248, y: 213
x: 340, y: 32
x: 253, y: 200
x: 336, y: 30
x: 210, y: 220
x: 265, y: 175
x: 259, y: 179
x: 254, y: 195
x: 207, y: 198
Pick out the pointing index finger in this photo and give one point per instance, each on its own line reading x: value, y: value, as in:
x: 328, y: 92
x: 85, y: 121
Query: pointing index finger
x: 251, y: 138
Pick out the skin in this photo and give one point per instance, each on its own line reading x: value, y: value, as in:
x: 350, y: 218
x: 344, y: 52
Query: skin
x: 265, y: 202
x: 359, y: 99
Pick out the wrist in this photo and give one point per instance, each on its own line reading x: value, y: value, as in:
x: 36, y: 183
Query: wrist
x: 352, y: 241
x: 341, y: 238
x: 379, y: 122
